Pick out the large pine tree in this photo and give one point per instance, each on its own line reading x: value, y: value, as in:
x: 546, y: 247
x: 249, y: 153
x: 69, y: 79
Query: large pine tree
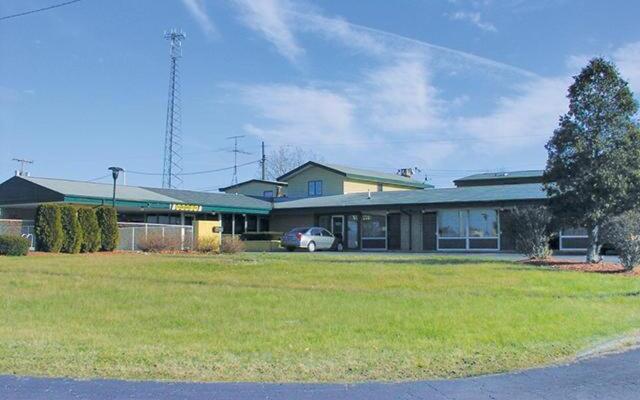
x: 593, y: 170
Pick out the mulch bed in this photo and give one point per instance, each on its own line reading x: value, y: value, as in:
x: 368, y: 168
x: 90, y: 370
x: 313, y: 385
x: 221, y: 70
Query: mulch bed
x: 600, y: 268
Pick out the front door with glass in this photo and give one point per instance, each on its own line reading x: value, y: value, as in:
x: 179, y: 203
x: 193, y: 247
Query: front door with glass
x: 337, y: 228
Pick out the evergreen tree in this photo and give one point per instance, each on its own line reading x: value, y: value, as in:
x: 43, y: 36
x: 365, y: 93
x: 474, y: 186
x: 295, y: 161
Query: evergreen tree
x: 72, y: 229
x: 593, y: 170
x: 91, y: 239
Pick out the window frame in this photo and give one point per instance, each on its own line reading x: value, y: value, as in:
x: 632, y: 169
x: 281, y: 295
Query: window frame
x: 315, y: 184
x: 465, y: 213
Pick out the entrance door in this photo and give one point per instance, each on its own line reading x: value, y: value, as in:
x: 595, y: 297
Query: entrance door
x: 353, y: 232
x: 393, y: 232
x: 337, y: 228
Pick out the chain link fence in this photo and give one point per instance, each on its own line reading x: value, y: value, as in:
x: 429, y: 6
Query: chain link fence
x: 140, y: 236
x: 19, y: 227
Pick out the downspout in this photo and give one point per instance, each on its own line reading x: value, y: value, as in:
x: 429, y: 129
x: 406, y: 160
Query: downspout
x: 410, y: 229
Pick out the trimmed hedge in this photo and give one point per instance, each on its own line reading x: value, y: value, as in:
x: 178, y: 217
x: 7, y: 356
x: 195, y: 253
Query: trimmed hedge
x: 261, y: 236
x: 90, y: 230
x: 108, y: 222
x: 48, y: 228
x: 11, y: 245
x: 72, y: 230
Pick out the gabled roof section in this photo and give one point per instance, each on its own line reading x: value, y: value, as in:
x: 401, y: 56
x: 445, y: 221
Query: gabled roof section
x: 466, y: 195
x: 275, y: 183
x: 358, y: 174
x: 501, y: 178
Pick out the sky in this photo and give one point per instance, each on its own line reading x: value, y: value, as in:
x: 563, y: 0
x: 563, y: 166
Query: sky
x: 452, y: 87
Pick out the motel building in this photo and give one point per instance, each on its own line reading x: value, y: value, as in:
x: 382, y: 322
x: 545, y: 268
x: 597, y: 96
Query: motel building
x: 366, y: 210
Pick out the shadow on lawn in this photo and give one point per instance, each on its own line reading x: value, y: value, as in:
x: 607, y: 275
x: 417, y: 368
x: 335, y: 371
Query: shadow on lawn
x: 427, y: 260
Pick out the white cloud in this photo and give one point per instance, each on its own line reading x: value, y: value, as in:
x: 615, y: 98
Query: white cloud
x: 198, y: 11
x: 401, y: 97
x: 474, y: 18
x: 522, y: 120
x: 300, y: 114
x: 271, y: 18
x: 627, y: 58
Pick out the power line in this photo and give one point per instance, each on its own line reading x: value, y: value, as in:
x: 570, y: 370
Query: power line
x: 209, y: 171
x: 66, y: 3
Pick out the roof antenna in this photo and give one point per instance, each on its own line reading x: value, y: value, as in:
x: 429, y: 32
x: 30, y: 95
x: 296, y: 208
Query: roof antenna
x: 23, y: 162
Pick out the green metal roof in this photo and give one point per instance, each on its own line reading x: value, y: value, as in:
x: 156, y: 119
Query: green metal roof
x: 533, y: 173
x: 471, y: 194
x: 360, y: 174
x: 136, y: 196
x: 275, y: 183
x: 215, y: 200
x: 98, y: 190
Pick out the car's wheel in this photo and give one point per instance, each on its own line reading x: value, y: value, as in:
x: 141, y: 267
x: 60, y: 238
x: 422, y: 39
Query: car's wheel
x: 311, y: 247
x: 290, y: 248
x: 340, y: 247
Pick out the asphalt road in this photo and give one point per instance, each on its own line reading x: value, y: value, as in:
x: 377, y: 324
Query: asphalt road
x: 613, y: 377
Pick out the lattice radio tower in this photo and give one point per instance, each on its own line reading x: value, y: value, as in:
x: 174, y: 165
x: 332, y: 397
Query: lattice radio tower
x: 172, y: 166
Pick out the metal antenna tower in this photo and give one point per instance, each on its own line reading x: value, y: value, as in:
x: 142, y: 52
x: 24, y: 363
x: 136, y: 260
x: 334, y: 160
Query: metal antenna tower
x: 23, y: 162
x: 172, y: 166
x: 235, y: 150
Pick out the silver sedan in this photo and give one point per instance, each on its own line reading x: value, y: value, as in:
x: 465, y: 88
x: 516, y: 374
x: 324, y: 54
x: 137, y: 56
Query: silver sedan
x: 312, y: 239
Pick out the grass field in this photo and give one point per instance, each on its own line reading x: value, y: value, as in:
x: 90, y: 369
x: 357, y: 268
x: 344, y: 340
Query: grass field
x: 299, y: 317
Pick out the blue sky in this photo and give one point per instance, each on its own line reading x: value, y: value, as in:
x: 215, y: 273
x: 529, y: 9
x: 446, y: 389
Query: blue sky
x: 452, y: 87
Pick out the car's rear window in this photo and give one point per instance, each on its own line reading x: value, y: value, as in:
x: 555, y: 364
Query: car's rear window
x: 298, y: 230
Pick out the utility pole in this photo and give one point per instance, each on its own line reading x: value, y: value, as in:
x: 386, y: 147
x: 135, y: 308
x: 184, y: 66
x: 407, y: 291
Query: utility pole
x: 23, y: 162
x: 263, y: 163
x: 235, y: 152
x: 172, y: 165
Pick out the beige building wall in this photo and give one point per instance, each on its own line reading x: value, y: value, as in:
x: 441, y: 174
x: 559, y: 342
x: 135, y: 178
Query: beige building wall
x: 332, y: 183
x: 284, y: 223
x: 254, y: 189
x: 359, y: 187
x: 391, y: 188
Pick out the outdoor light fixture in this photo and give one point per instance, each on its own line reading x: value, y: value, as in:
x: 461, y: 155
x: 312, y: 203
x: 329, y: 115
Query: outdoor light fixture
x: 115, y: 171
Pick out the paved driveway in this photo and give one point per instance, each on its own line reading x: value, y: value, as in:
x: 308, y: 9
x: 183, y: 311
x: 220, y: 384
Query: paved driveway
x: 614, y: 377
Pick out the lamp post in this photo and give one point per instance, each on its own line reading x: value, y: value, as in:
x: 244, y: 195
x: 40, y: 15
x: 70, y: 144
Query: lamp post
x: 115, y: 171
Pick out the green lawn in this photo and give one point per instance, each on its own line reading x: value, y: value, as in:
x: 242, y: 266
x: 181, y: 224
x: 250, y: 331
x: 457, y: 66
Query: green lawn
x: 299, y: 317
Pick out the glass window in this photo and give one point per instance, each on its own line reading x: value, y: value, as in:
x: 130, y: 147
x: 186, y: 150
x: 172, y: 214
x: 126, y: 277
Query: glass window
x: 315, y: 188
x: 452, y: 224
x: 374, y: 226
x: 574, y: 232
x: 267, y: 193
x: 324, y: 221
x: 483, y: 223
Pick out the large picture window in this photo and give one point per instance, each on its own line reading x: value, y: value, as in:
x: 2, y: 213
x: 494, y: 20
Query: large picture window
x: 474, y: 229
x: 374, y: 231
x: 483, y: 223
x: 314, y: 188
x: 452, y: 224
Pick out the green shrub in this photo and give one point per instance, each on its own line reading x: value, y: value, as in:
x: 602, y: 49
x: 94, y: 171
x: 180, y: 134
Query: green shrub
x: 623, y: 233
x: 261, y: 236
x: 90, y: 230
x: 531, y: 230
x: 72, y: 229
x: 11, y: 245
x: 48, y: 229
x: 108, y: 222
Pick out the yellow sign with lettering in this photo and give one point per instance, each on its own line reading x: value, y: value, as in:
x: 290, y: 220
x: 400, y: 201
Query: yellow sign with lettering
x: 186, y: 207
